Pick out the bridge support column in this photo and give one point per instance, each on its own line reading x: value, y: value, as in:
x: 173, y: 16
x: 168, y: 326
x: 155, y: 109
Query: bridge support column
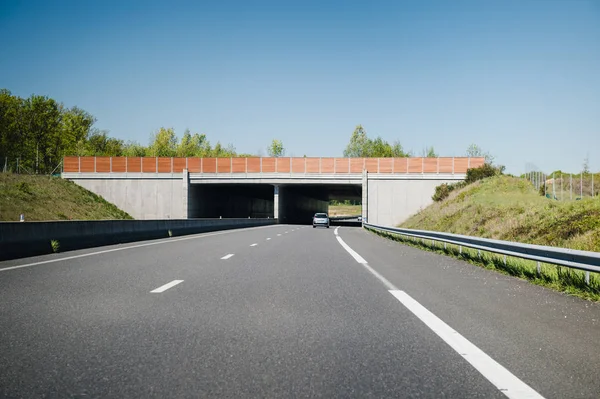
x: 185, y: 194
x: 276, y: 201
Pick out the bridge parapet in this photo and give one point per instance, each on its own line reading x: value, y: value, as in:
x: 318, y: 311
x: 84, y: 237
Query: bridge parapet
x: 327, y: 166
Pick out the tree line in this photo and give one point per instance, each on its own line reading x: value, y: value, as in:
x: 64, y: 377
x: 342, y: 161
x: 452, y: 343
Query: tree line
x: 37, y: 132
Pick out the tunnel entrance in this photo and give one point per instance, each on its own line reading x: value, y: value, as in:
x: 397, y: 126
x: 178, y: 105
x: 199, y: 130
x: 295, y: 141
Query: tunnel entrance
x: 230, y: 201
x: 290, y: 203
x: 299, y: 202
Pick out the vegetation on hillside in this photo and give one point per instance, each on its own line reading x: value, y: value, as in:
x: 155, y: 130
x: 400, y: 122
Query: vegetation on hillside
x: 509, y: 208
x: 41, y: 198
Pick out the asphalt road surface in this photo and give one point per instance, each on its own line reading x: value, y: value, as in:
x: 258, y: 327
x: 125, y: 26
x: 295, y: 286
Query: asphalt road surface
x: 286, y: 311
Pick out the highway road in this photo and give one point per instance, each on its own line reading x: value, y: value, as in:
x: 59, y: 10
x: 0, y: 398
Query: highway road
x: 286, y: 311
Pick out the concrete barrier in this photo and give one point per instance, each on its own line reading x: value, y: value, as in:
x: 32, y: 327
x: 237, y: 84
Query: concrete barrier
x: 18, y: 240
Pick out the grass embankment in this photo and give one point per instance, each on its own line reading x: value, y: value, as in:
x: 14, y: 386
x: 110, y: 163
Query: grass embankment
x: 344, y: 210
x: 509, y: 208
x: 51, y: 198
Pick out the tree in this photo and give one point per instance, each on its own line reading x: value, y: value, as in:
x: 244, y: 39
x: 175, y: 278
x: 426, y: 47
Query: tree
x: 359, y: 144
x: 398, y: 151
x: 475, y: 151
x: 134, y: 149
x: 586, y: 165
x: 276, y: 149
x: 429, y: 152
x: 163, y: 143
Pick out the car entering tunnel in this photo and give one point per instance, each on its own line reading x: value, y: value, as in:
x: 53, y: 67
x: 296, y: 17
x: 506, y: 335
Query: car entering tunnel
x: 290, y: 203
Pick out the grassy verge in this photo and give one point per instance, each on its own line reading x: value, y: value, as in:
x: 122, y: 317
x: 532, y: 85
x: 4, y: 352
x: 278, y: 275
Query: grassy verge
x: 51, y: 198
x: 563, y: 279
x: 344, y: 210
x: 508, y: 208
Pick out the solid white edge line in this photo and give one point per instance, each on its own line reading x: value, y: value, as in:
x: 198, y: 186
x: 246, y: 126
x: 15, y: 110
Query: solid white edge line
x: 166, y: 241
x: 165, y: 287
x: 356, y: 256
x: 227, y: 256
x: 498, y: 375
x: 506, y: 382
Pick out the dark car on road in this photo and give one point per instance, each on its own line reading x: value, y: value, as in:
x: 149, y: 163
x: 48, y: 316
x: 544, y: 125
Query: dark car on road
x: 320, y: 219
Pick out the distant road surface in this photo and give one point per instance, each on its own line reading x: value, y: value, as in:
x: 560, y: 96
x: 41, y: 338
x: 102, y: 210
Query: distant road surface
x: 286, y: 311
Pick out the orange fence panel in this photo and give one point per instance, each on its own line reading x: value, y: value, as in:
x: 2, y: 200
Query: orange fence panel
x: 103, y: 164
x: 446, y: 165
x: 461, y: 165
x: 342, y: 165
x: 268, y: 165
x: 209, y: 165
x: 88, y: 164
x: 371, y: 165
x: 400, y: 165
x: 386, y: 165
x: 327, y: 165
x: 415, y: 165
x: 223, y: 165
x: 430, y: 165
x: 119, y: 165
x: 298, y: 165
x: 283, y: 165
x: 312, y: 165
x: 164, y: 165
x: 71, y: 164
x: 134, y: 164
x: 357, y: 165
x: 238, y: 165
x: 254, y: 165
x: 179, y: 165
x: 149, y: 165
x: 477, y: 162
x: 194, y: 165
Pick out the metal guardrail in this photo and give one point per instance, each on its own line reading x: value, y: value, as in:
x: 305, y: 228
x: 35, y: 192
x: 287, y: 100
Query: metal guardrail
x: 576, y: 259
x: 332, y: 218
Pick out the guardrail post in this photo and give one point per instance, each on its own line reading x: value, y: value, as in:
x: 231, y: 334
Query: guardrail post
x: 587, y: 278
x: 538, y: 269
x: 504, y: 260
x: 479, y: 253
x: 460, y: 249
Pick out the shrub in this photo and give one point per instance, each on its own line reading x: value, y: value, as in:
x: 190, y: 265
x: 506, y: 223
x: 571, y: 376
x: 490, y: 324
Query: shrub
x: 480, y: 173
x: 473, y: 174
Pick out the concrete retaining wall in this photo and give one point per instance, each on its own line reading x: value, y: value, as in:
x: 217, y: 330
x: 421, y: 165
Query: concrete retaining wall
x: 391, y: 202
x: 146, y: 198
x: 26, y: 239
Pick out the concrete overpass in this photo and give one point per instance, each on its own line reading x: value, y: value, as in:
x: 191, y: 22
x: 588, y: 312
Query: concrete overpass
x: 288, y: 189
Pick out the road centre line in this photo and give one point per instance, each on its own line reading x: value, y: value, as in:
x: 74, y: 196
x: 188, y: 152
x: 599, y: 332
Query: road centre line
x: 227, y: 256
x: 165, y: 241
x: 165, y: 287
x: 253, y: 245
x: 268, y: 238
x: 506, y: 382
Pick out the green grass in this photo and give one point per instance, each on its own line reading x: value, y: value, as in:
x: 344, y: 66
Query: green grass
x: 51, y: 198
x: 344, y: 210
x: 563, y: 279
x: 508, y: 208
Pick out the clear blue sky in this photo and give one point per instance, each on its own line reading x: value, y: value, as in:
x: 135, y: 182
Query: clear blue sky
x: 519, y: 78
